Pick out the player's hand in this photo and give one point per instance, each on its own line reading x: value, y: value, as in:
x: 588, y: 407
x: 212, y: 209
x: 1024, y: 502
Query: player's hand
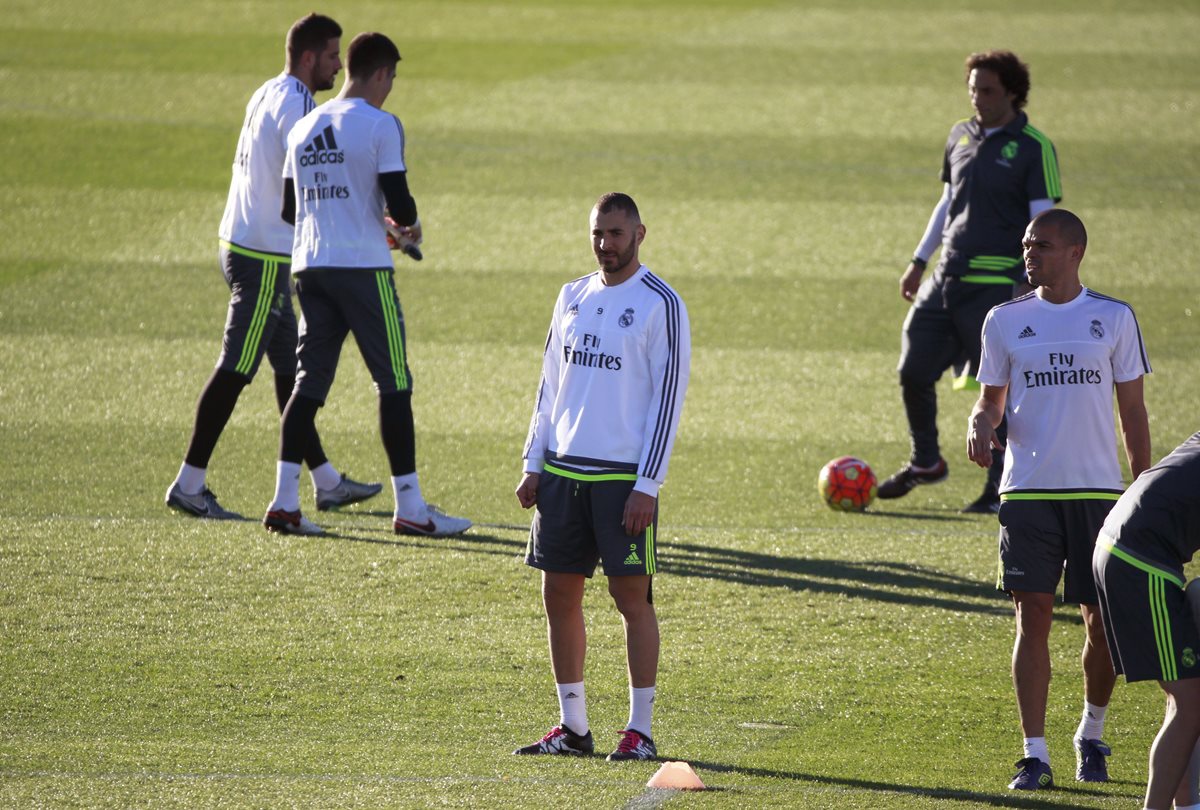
x: 910, y: 281
x: 981, y: 440
x: 527, y: 490
x: 398, y: 236
x: 639, y: 512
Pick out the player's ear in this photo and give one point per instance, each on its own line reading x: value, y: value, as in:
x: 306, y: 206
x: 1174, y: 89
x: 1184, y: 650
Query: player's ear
x: 641, y: 233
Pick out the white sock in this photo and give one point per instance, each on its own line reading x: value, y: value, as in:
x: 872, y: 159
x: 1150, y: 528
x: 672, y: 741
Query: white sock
x: 325, y: 476
x: 409, y: 503
x: 1091, y: 727
x: 1187, y: 807
x: 1036, y: 747
x: 572, y: 707
x: 287, y: 487
x: 190, y: 479
x: 641, y: 707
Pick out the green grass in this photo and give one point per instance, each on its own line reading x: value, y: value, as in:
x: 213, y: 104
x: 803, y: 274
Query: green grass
x: 785, y: 156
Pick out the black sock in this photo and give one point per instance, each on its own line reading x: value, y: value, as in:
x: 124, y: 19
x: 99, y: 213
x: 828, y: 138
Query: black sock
x: 297, y: 426
x: 213, y: 410
x: 314, y: 453
x: 399, y: 435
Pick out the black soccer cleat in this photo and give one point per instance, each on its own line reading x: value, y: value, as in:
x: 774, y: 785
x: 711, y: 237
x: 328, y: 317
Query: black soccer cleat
x: 909, y: 478
x: 561, y: 740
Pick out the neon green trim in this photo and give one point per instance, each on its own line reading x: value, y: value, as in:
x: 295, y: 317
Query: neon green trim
x: 586, y: 476
x: 395, y: 335
x: 1159, y: 616
x: 973, y: 279
x: 255, y: 254
x: 967, y: 383
x: 1049, y: 163
x: 262, y: 309
x: 1162, y: 629
x: 1112, y: 548
x: 993, y: 262
x: 650, y: 566
x: 1060, y: 496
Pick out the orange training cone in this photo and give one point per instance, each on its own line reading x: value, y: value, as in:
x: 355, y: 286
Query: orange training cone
x: 676, y: 776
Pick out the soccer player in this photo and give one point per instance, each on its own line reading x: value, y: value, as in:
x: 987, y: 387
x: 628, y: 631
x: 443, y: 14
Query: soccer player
x: 1051, y: 361
x: 255, y: 253
x: 345, y: 161
x: 614, y: 374
x: 1150, y: 534
x: 998, y: 173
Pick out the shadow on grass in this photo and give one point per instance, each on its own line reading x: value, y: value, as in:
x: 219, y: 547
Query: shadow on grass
x: 1060, y: 797
x: 884, y: 581
x: 878, y: 580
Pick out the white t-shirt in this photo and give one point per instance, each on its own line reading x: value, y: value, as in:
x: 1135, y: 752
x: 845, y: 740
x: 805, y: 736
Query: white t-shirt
x: 335, y: 156
x: 614, y: 375
x: 1060, y: 363
x: 251, y: 218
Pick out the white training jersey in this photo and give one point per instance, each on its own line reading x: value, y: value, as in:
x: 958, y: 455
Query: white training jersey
x: 251, y: 218
x: 1060, y: 363
x: 335, y: 156
x: 614, y: 375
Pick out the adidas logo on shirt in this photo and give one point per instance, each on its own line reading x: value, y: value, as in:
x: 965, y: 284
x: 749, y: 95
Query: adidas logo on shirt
x: 1027, y: 332
x: 320, y: 150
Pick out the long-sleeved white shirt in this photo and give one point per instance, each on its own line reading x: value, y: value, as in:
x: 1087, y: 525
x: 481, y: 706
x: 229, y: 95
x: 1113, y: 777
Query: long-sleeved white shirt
x: 614, y: 375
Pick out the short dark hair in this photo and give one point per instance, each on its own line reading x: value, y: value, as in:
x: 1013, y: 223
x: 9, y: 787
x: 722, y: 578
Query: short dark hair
x: 1013, y: 73
x: 368, y: 52
x: 615, y: 200
x: 1069, y: 226
x: 310, y: 33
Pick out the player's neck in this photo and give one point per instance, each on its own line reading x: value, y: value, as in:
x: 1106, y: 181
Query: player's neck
x: 997, y: 123
x: 1061, y: 293
x: 620, y: 276
x: 305, y: 77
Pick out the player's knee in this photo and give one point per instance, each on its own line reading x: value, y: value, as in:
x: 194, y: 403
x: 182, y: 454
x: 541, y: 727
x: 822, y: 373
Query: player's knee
x: 560, y: 596
x: 632, y: 598
x: 1034, y: 615
x: 915, y: 379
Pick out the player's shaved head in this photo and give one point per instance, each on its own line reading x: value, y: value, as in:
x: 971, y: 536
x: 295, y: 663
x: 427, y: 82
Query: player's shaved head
x: 616, y: 201
x: 1069, y: 226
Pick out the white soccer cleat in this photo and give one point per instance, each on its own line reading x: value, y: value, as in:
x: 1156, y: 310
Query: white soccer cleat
x: 437, y: 524
x: 284, y: 522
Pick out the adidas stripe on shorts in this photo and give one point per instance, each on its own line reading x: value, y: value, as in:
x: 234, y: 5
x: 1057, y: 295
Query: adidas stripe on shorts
x: 577, y: 523
x: 260, y: 318
x: 1150, y: 631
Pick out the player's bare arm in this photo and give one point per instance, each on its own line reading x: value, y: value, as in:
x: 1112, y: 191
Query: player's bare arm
x: 639, y: 512
x: 1135, y: 424
x: 527, y: 490
x: 981, y: 426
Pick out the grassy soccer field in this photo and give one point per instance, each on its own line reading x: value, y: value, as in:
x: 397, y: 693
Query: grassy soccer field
x: 785, y: 158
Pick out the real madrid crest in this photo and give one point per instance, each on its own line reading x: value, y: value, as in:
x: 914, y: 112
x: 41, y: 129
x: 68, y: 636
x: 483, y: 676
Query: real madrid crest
x: 626, y: 318
x: 1097, y: 330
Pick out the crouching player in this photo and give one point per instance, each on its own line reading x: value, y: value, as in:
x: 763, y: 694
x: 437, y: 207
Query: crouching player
x: 1151, y: 532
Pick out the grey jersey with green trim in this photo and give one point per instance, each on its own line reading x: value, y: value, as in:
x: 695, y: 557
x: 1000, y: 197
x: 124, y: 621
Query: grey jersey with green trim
x: 1159, y: 515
